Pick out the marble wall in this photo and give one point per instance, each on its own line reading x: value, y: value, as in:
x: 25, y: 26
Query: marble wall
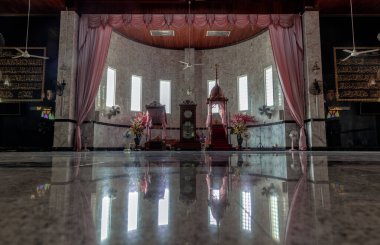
x: 152, y: 64
x: 247, y: 58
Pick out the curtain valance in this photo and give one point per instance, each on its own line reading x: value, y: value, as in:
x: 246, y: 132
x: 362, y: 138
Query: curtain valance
x: 157, y: 21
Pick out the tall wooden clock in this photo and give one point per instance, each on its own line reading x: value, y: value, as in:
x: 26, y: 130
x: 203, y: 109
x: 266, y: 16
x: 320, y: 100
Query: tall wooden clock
x: 188, y: 136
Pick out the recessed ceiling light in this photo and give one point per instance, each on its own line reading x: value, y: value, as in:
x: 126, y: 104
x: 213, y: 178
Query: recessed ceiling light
x: 162, y: 33
x: 218, y: 33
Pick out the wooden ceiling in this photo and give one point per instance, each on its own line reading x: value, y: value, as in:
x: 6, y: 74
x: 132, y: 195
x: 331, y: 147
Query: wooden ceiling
x: 342, y: 7
x: 37, y: 6
x: 198, y: 38
x: 198, y: 6
x: 180, y: 6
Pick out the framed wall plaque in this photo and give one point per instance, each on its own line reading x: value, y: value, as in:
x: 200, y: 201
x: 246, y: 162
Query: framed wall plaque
x: 353, y: 76
x: 22, y: 79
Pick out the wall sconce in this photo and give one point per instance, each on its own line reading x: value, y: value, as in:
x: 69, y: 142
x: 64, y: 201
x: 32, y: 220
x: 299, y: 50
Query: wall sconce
x: 315, y: 68
x: 60, y: 87
x: 315, y: 88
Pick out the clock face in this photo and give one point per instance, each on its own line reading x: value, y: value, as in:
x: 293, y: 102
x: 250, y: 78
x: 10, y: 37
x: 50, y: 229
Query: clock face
x: 187, y: 114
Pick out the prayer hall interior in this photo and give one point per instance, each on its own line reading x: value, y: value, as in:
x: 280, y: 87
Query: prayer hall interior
x: 189, y: 122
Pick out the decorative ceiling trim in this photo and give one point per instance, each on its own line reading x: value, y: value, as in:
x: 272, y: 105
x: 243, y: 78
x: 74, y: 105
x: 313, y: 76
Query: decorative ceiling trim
x: 198, y: 20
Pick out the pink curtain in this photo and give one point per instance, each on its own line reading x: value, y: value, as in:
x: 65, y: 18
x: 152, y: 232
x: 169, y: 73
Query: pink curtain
x: 93, y: 50
x: 287, y: 46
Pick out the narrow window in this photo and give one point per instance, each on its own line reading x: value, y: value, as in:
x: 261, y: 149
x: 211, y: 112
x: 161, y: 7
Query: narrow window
x: 133, y: 206
x: 111, y: 87
x: 163, y: 209
x: 212, y: 220
x: 274, y: 218
x: 243, y: 93
x: 136, y: 93
x: 211, y: 84
x: 215, y: 196
x: 246, y: 211
x: 99, y: 98
x: 280, y: 95
x: 165, y: 95
x: 106, y: 217
x: 268, y: 86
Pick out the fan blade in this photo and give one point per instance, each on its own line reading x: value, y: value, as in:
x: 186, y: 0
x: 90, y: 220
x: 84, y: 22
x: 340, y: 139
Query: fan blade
x: 183, y: 62
x: 186, y: 67
x: 348, y: 51
x: 38, y: 57
x: 197, y: 64
x: 346, y: 58
x: 367, y: 51
x: 18, y: 56
x: 19, y: 50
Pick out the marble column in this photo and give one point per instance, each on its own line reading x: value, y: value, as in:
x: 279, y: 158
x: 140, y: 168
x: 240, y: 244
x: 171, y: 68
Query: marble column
x: 64, y: 125
x: 315, y: 114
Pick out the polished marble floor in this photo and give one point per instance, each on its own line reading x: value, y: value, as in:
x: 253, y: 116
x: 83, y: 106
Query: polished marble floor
x: 190, y: 198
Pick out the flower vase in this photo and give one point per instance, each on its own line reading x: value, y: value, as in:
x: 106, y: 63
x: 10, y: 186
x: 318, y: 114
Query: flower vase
x: 137, y: 140
x: 239, y: 140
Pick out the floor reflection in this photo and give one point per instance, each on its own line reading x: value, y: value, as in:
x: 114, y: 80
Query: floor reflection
x: 185, y: 198
x: 200, y: 199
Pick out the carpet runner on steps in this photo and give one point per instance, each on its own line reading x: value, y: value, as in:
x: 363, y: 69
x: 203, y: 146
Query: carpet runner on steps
x: 219, y: 140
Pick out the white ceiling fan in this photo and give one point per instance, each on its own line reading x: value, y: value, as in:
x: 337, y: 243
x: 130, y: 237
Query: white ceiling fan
x: 25, y: 54
x: 188, y: 64
x: 354, y: 52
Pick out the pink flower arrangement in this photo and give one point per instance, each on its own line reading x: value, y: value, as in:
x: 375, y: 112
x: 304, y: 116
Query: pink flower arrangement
x: 138, y: 123
x: 239, y: 123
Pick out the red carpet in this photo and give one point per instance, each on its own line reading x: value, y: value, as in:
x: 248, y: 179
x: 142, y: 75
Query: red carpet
x: 219, y: 141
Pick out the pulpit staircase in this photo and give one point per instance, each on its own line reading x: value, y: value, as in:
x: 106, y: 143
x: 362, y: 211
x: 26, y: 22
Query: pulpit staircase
x: 219, y: 140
